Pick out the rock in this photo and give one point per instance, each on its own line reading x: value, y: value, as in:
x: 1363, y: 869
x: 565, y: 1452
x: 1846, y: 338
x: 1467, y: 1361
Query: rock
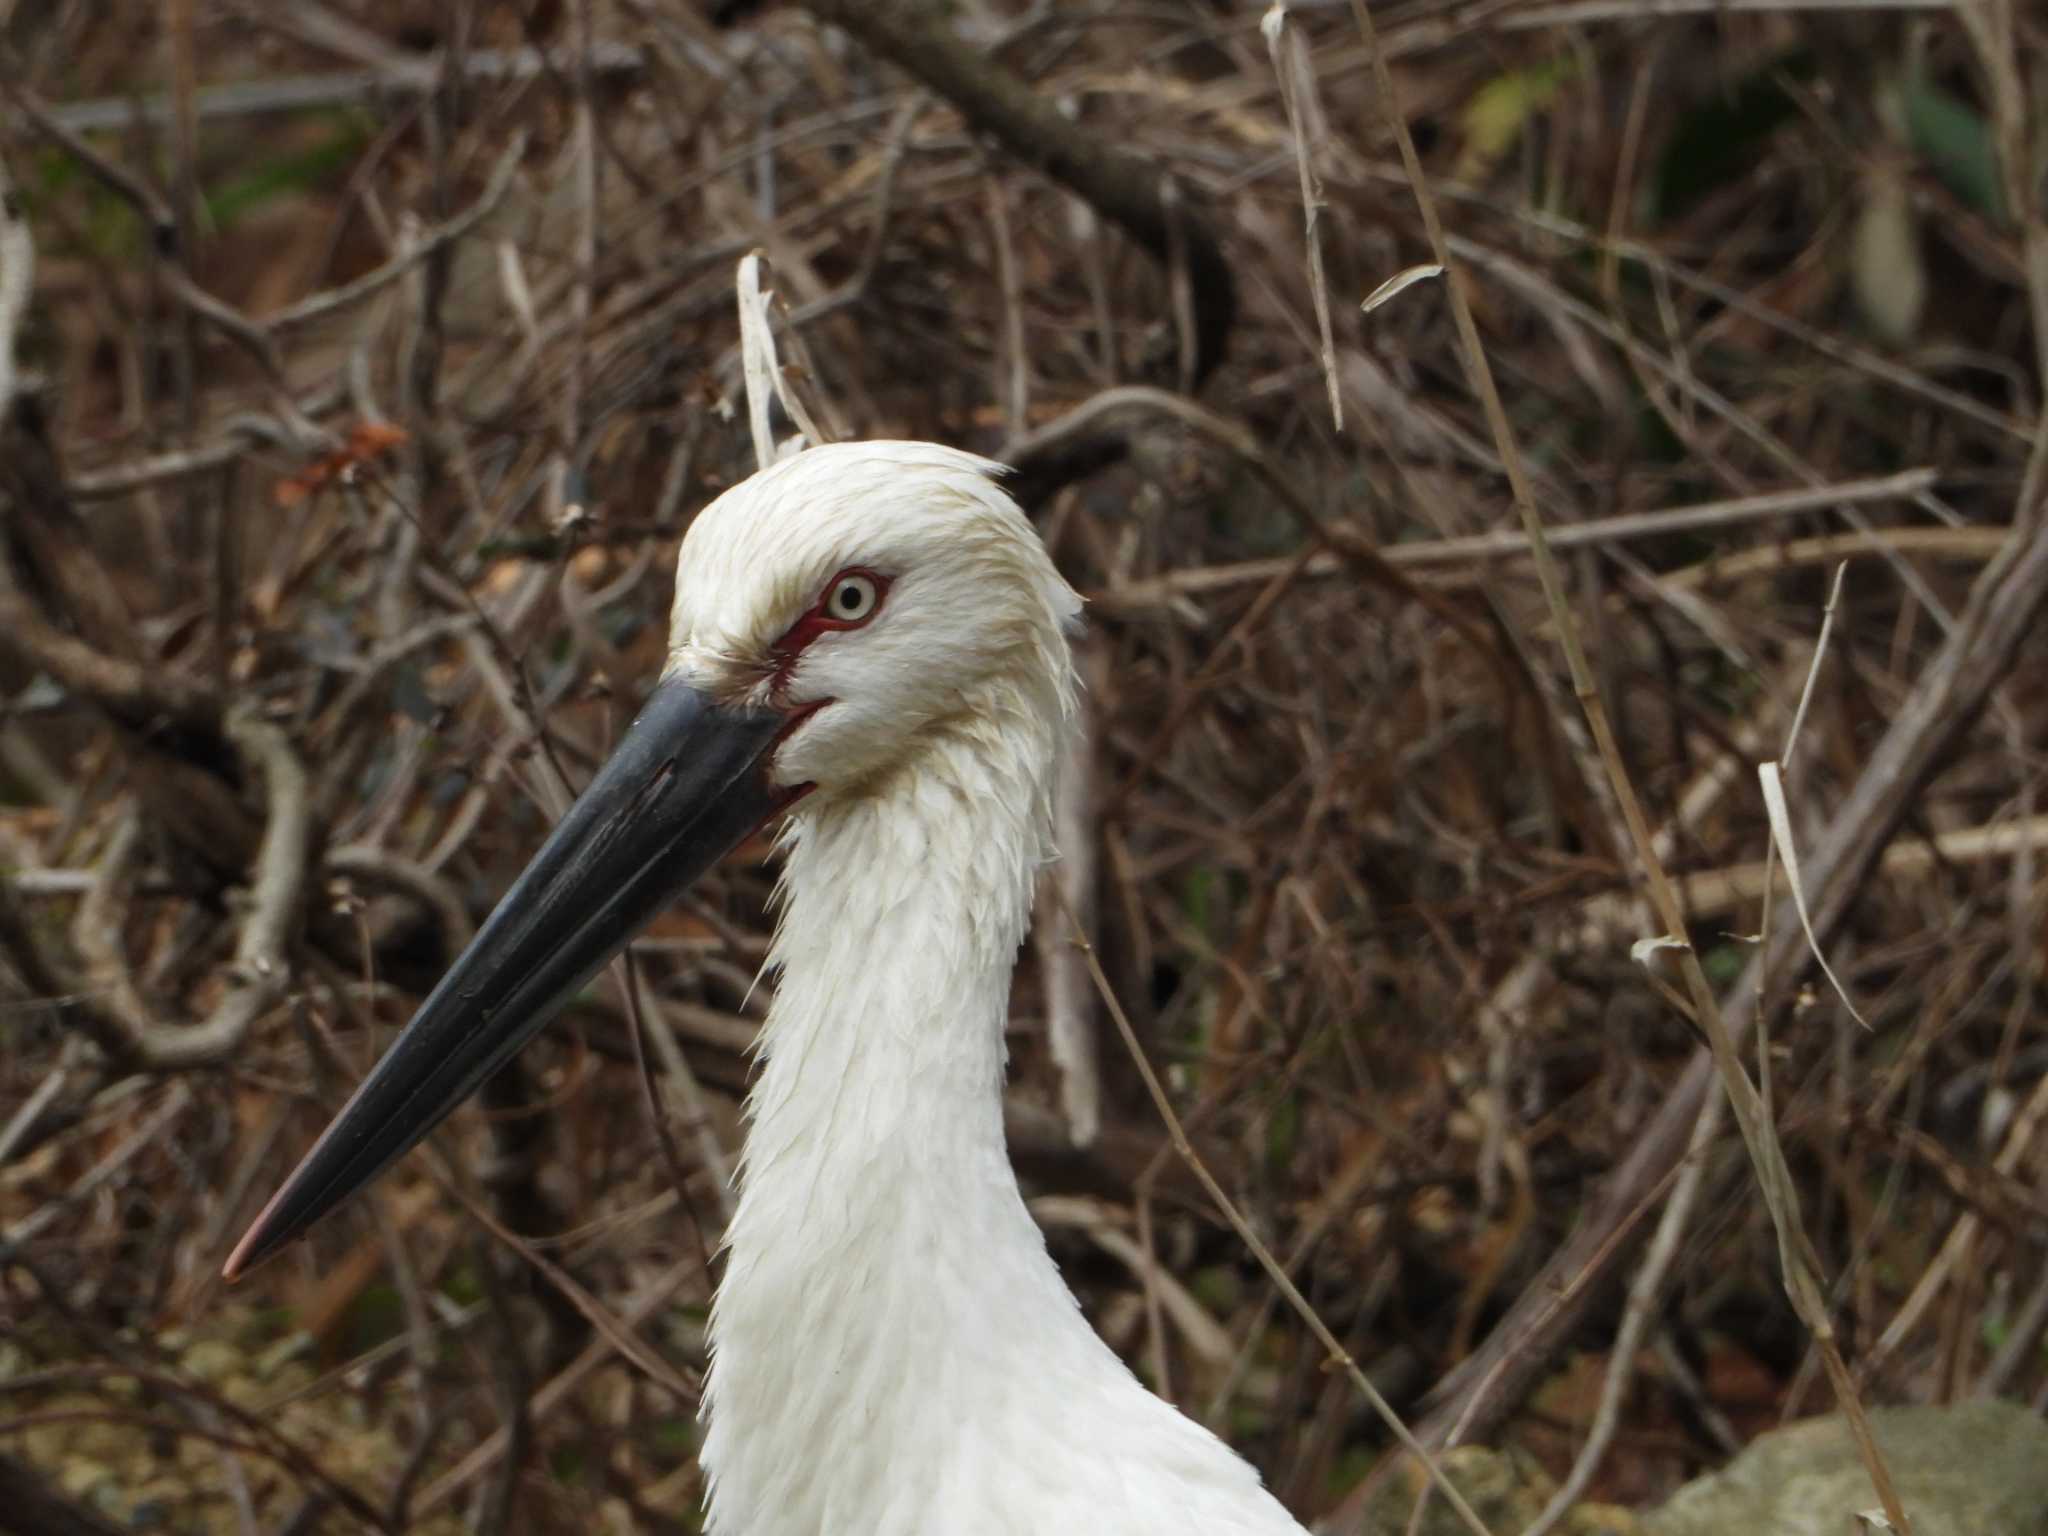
x: 1975, y: 1469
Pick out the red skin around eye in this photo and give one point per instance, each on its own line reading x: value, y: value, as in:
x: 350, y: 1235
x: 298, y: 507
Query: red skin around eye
x: 817, y: 622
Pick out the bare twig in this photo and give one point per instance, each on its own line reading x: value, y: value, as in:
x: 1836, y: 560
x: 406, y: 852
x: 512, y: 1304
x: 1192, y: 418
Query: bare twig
x: 155, y: 212
x: 17, y: 280
x: 146, y: 1135
x: 429, y: 242
x: 1297, y: 94
x: 637, y: 1310
x: 401, y: 75
x: 23, y: 1120
x: 1483, y: 549
x: 617, y: 1331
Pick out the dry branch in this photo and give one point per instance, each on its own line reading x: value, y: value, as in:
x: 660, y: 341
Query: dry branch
x: 1121, y: 188
x: 1335, y: 1354
x: 61, y: 610
x: 397, y: 75
x: 1478, y: 551
x: 260, y: 971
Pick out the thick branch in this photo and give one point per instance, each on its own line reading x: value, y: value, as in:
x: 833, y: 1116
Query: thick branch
x: 258, y: 974
x: 123, y: 687
x: 1131, y: 193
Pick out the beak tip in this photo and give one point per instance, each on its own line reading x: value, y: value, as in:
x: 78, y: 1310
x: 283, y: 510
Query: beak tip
x: 242, y: 1260
x: 260, y: 1241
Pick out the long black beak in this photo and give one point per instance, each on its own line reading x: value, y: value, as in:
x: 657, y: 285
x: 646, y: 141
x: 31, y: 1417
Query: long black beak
x: 686, y: 784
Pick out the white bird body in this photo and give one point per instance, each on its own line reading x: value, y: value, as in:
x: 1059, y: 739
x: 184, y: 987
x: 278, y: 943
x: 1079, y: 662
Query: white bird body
x: 871, y: 638
x: 893, y: 1350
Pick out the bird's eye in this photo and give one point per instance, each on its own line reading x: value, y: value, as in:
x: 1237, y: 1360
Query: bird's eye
x: 847, y: 601
x: 851, y: 598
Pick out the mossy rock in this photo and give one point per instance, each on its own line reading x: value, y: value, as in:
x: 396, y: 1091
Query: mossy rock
x: 1976, y: 1469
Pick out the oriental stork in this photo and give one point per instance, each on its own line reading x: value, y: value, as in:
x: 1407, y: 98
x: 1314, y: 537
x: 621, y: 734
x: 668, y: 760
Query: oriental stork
x: 869, y: 640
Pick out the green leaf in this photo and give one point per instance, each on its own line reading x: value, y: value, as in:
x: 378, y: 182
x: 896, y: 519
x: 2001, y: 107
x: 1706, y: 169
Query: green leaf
x: 1724, y: 962
x: 1499, y: 110
x: 1956, y: 141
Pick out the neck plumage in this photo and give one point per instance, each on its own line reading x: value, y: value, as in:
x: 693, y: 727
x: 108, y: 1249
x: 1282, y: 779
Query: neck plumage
x: 904, y: 913
x: 881, y: 1249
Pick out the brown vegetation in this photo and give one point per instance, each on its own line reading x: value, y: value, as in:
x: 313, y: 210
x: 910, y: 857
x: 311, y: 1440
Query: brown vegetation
x: 361, y: 363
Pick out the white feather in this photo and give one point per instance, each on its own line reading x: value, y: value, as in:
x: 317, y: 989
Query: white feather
x: 893, y: 1351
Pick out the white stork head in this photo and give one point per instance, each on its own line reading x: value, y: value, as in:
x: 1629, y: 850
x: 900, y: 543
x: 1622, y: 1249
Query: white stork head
x: 880, y: 597
x: 842, y: 619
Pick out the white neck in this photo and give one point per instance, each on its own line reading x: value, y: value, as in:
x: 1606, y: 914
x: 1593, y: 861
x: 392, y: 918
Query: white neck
x: 893, y: 1351
x: 904, y: 914
x: 879, y: 1230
